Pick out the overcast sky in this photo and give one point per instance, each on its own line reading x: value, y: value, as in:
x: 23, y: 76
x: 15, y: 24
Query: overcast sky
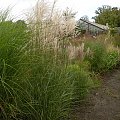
x: 83, y: 7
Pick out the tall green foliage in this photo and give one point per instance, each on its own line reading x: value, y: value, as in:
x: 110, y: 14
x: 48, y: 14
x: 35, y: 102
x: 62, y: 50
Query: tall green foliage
x: 107, y: 14
x: 34, y: 83
x: 37, y: 80
x: 13, y: 38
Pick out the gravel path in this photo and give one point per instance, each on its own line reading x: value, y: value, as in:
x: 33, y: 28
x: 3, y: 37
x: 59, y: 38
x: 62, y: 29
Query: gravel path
x: 103, y: 103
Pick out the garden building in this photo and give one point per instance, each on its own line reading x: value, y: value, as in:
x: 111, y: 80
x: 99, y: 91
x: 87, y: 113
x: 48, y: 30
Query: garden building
x: 91, y: 27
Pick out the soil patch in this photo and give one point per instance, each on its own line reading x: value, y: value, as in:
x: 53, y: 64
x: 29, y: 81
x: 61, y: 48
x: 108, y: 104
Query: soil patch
x: 103, y: 103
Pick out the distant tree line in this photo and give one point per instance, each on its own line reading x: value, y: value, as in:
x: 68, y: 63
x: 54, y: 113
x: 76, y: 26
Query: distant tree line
x: 108, y: 14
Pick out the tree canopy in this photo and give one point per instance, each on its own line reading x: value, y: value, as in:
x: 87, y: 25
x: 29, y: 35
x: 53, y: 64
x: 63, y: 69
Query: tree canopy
x: 107, y: 14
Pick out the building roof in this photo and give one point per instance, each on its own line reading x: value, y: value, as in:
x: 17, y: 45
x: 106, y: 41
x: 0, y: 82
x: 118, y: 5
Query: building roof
x: 103, y: 27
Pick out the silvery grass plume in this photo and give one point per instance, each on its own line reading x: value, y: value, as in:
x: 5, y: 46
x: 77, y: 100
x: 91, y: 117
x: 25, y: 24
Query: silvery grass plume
x: 49, y: 25
x: 78, y: 52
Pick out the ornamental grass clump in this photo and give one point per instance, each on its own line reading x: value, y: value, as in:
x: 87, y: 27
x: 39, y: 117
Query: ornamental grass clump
x: 33, y: 78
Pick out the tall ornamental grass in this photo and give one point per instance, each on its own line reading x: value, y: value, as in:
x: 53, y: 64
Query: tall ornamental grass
x: 41, y: 74
x: 103, y: 55
x: 35, y: 82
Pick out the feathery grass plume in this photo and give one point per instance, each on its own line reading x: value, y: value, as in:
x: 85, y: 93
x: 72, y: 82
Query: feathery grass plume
x: 50, y: 23
x: 78, y: 52
x: 5, y: 14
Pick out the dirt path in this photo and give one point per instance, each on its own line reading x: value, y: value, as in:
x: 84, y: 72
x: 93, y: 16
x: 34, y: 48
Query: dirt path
x: 104, y: 103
